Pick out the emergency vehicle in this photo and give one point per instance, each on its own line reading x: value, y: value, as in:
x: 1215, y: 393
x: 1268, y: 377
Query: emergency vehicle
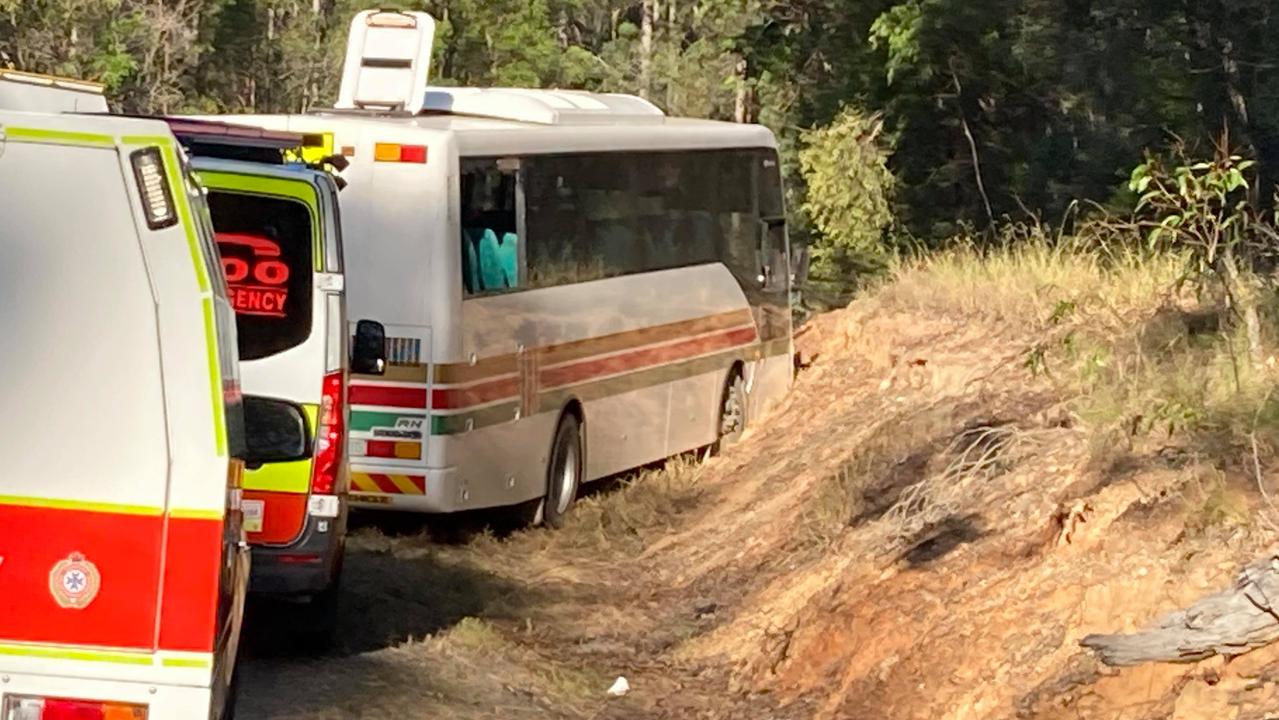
x: 123, y: 564
x: 275, y: 218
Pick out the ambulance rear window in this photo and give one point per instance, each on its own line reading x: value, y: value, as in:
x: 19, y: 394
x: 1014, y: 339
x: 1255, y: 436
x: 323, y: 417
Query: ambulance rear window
x: 265, y: 244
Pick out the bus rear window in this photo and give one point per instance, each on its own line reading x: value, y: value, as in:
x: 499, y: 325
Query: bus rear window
x: 266, y: 249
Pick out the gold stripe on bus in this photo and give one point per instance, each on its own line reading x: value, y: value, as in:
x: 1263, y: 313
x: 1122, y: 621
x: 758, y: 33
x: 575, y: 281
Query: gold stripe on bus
x: 486, y: 368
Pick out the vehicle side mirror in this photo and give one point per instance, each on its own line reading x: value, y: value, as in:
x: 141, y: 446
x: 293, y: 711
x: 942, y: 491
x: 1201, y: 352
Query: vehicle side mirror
x: 274, y: 431
x: 368, y: 352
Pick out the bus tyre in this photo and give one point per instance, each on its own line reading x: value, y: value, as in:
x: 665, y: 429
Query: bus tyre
x: 732, y: 412
x: 563, y: 472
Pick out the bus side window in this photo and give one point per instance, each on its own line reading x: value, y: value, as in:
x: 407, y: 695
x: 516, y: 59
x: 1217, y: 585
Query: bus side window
x: 490, y: 242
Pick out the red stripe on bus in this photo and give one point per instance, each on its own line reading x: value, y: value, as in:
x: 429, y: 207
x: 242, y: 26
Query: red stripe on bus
x: 125, y: 551
x: 452, y: 398
x: 647, y: 357
x: 509, y: 387
x: 401, y: 397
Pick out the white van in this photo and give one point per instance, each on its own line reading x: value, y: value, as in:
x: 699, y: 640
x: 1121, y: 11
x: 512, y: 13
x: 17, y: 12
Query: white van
x: 123, y: 564
x: 277, y: 229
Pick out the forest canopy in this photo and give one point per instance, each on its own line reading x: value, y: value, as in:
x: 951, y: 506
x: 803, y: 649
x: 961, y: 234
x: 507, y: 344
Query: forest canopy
x: 987, y: 110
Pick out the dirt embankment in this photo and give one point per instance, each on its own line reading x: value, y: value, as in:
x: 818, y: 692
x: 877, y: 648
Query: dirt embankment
x: 924, y: 530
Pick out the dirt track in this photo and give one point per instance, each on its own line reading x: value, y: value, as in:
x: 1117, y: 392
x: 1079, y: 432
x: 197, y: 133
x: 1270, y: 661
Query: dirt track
x: 918, y: 533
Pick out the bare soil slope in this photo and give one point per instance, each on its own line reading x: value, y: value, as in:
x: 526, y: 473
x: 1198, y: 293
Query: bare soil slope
x: 924, y: 530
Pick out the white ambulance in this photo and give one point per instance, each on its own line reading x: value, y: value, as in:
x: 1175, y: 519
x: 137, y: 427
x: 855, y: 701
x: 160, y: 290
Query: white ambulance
x: 123, y: 564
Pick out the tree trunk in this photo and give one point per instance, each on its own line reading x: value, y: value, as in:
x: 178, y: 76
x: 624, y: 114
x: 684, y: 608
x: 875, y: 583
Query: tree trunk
x: 650, y: 11
x: 741, y: 103
x: 972, y: 147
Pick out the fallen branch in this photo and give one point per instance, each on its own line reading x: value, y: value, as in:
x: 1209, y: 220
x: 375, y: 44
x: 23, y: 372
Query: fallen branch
x: 1229, y: 623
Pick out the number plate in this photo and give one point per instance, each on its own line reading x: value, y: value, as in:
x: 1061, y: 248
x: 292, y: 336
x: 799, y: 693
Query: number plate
x: 254, y: 510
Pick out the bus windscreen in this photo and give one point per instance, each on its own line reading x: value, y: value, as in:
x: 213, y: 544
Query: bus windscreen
x: 266, y: 250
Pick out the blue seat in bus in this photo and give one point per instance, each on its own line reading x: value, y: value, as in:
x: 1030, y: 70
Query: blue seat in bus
x: 499, y: 261
x: 509, y: 258
x: 471, y: 276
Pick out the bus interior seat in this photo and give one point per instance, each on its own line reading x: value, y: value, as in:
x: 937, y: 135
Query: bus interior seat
x: 509, y: 258
x: 498, y: 260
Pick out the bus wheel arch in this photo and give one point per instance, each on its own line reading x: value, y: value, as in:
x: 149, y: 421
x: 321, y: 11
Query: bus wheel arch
x: 565, y: 464
x: 733, y: 412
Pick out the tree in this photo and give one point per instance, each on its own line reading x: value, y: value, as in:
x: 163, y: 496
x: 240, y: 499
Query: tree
x: 849, y: 188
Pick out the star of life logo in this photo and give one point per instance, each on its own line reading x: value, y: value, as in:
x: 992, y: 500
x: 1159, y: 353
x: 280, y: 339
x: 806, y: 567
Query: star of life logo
x: 74, y: 582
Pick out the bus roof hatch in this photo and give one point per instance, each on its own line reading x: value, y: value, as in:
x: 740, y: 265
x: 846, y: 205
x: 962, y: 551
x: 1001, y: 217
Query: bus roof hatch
x: 28, y: 92
x: 388, y: 54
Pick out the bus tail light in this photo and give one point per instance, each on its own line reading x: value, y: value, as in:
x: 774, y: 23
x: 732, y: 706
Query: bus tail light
x: 331, y: 436
x: 395, y: 152
x: 33, y: 708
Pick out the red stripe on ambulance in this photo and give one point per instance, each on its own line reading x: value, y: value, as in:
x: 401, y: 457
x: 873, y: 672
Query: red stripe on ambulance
x: 125, y: 553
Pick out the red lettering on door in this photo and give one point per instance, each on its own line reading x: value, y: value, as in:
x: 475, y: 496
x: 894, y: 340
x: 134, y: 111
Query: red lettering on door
x: 268, y: 294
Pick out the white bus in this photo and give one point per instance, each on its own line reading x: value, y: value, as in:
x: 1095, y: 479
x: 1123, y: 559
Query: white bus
x: 570, y: 285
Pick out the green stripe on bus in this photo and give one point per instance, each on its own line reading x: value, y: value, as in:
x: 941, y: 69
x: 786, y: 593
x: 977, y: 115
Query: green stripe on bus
x: 301, y: 190
x: 60, y: 137
x: 366, y: 420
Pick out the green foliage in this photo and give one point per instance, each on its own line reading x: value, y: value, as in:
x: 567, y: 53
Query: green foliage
x: 996, y: 109
x: 849, y: 187
x: 1200, y: 206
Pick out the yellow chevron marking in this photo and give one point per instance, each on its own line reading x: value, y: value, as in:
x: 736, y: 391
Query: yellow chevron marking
x: 405, y: 485
x: 364, y: 483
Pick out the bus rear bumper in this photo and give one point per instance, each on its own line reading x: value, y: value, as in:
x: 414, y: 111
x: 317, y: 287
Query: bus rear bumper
x: 429, y: 490
x: 163, y: 702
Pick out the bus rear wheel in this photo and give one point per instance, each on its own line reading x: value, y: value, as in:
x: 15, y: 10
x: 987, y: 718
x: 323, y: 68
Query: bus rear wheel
x: 563, y: 472
x: 732, y: 412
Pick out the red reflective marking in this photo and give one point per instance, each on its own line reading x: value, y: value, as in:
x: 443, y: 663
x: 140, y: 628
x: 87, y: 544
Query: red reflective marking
x: 379, y: 448
x: 385, y: 484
